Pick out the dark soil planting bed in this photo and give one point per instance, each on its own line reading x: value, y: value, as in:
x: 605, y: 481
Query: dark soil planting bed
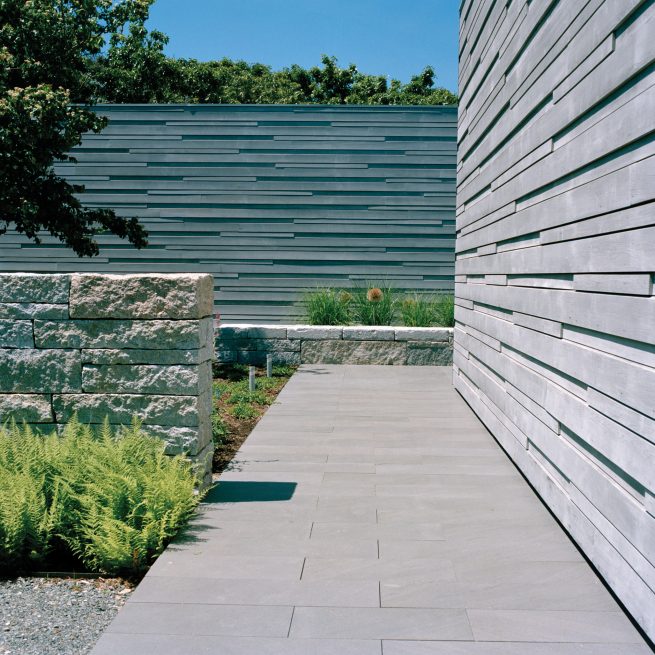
x: 237, y: 410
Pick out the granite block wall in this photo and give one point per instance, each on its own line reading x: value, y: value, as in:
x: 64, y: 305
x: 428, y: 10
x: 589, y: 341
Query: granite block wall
x: 110, y: 345
x: 555, y: 314
x: 271, y: 200
x: 316, y: 344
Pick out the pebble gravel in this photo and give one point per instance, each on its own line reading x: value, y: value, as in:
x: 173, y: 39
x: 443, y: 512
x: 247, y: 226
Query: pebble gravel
x: 57, y: 616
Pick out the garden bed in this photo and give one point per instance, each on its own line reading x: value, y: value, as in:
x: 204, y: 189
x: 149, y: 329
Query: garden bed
x: 236, y: 410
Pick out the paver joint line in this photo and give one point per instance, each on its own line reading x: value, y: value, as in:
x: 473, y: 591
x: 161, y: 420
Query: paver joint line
x: 436, y: 540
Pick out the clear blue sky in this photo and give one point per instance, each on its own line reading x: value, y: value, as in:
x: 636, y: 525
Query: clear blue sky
x: 396, y: 38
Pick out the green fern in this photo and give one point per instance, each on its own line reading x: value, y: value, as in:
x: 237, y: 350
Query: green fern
x: 111, y: 496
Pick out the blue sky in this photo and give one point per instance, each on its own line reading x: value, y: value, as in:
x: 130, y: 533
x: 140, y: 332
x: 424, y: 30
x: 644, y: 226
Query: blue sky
x: 385, y: 37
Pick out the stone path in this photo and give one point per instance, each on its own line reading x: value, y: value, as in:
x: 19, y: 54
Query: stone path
x: 370, y: 513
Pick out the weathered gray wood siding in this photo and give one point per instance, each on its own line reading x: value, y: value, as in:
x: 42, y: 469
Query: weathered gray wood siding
x: 270, y: 200
x: 555, y: 335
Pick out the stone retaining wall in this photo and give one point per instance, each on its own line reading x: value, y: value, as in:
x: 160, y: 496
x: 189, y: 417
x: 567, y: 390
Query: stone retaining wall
x: 110, y: 345
x: 307, y: 344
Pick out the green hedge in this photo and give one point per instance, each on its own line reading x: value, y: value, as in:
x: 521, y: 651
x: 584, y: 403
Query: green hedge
x: 109, y: 498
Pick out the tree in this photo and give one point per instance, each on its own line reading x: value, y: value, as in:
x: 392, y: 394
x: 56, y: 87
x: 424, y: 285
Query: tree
x: 135, y: 69
x: 47, y: 50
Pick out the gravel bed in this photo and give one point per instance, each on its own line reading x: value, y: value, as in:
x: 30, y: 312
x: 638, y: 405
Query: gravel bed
x: 57, y: 616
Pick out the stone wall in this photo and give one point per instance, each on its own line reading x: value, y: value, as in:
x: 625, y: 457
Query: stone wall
x: 555, y: 334
x: 308, y: 344
x: 110, y: 345
x: 271, y: 200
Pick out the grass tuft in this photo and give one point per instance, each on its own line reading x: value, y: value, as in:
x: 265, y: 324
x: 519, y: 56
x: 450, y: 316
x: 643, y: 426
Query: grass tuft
x: 328, y: 307
x: 418, y: 311
x: 374, y: 305
x: 445, y: 310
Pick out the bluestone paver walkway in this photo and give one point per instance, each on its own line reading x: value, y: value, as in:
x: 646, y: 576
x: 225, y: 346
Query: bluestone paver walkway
x: 370, y: 513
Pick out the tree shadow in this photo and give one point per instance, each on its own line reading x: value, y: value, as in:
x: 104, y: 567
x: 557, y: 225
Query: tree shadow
x: 312, y: 371
x: 233, y: 491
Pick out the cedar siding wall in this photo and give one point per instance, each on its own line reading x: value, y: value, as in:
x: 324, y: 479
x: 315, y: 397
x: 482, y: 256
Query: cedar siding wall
x: 271, y: 200
x: 555, y: 335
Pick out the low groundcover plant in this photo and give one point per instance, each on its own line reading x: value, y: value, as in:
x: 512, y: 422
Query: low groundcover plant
x: 109, y: 498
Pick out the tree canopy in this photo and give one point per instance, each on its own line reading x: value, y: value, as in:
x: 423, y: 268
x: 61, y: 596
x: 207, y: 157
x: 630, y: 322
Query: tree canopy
x: 46, y: 49
x: 135, y: 69
x: 59, y: 58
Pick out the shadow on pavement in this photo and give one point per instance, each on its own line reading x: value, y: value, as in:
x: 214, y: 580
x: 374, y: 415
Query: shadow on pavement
x: 231, y: 491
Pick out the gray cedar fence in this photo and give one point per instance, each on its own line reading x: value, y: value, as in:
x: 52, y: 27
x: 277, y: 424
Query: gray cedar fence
x: 271, y: 200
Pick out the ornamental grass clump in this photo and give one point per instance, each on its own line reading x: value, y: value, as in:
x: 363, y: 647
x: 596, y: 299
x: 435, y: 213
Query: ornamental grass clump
x: 419, y: 311
x: 445, y: 311
x: 110, y: 498
x: 428, y: 311
x: 328, y: 307
x: 374, y: 305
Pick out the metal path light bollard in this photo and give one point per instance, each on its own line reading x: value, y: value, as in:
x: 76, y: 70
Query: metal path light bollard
x: 269, y: 366
x: 251, y: 379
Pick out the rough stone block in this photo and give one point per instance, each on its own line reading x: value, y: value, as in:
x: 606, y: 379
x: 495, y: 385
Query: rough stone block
x: 369, y: 333
x: 34, y: 288
x: 40, y: 371
x: 353, y: 352
x: 311, y: 332
x: 275, y: 345
x: 267, y: 332
x: 150, y: 296
x: 425, y: 353
x: 47, y: 428
x: 146, y: 378
x: 140, y: 356
x: 258, y: 357
x: 423, y: 334
x: 155, y: 334
x: 239, y: 343
x: 184, y: 411
x: 30, y: 310
x: 16, y: 334
x: 231, y: 332
x: 201, y: 465
x: 182, y: 440
x: 31, y: 408
x: 226, y: 356
x: 266, y: 345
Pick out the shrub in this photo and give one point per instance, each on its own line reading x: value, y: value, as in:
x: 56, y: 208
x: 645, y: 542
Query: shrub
x: 328, y: 307
x: 374, y: 305
x: 112, y: 497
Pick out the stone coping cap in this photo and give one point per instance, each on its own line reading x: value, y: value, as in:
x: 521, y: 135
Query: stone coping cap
x: 234, y: 324
x: 288, y: 326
